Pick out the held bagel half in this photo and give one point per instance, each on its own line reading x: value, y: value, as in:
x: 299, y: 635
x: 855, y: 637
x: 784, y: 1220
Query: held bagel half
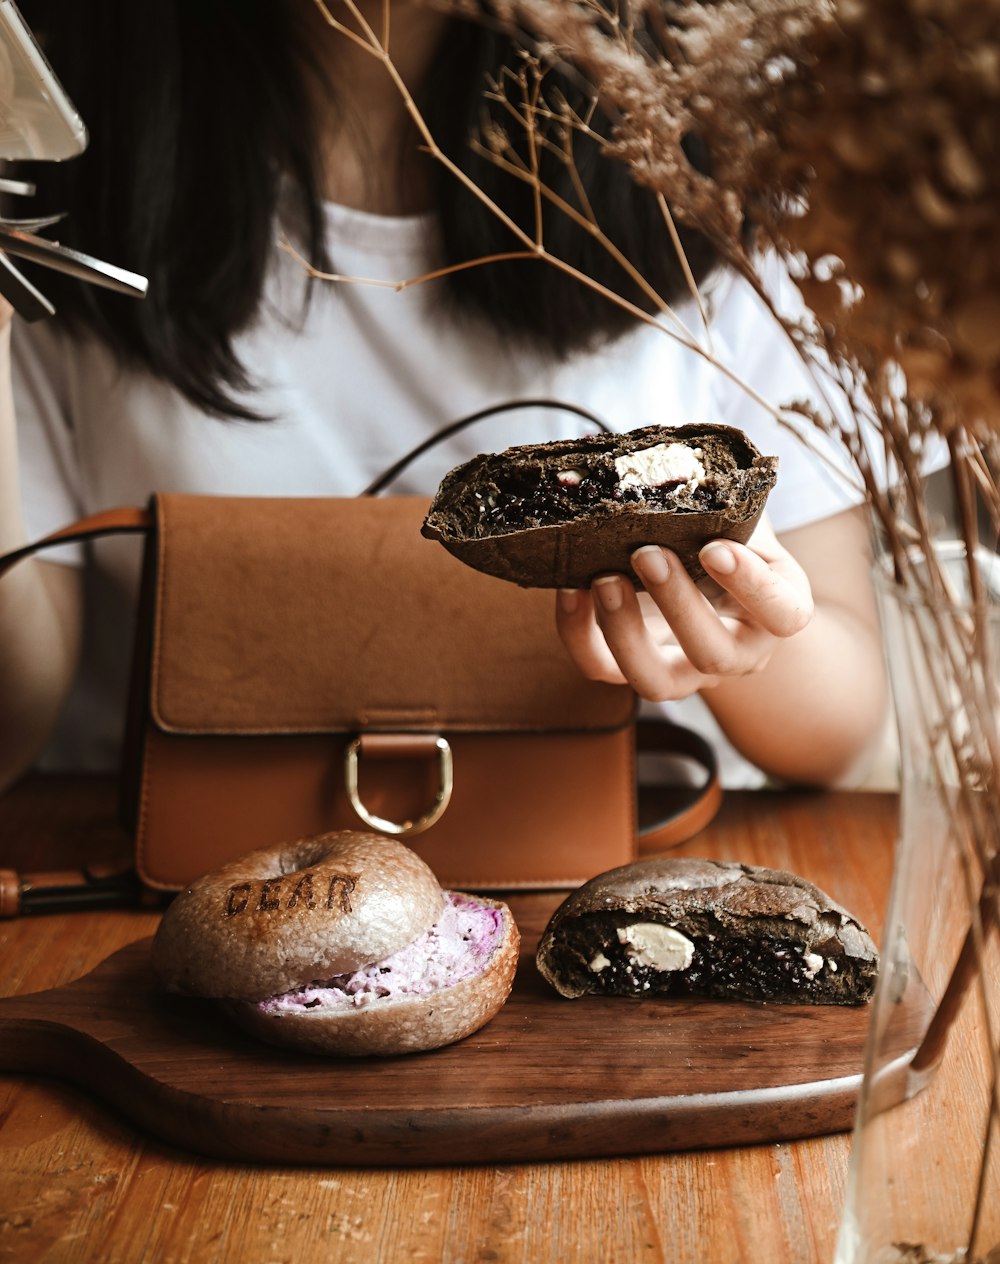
x: 340, y: 944
x: 554, y: 515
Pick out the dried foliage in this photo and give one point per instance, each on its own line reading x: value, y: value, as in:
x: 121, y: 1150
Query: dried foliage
x: 891, y: 124
x: 861, y: 140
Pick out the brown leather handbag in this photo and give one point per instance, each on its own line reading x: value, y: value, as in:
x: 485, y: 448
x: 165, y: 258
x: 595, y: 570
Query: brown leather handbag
x: 311, y: 664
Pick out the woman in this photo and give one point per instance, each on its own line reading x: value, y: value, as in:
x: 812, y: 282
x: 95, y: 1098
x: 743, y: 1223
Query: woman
x: 220, y: 129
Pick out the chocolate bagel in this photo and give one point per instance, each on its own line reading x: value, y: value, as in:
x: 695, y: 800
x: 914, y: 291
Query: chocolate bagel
x: 686, y: 927
x: 343, y: 943
x: 555, y: 515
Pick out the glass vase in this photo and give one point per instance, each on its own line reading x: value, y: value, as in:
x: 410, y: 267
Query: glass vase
x: 924, y: 1180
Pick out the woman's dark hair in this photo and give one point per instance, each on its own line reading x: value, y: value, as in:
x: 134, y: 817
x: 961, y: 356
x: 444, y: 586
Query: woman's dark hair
x: 197, y: 110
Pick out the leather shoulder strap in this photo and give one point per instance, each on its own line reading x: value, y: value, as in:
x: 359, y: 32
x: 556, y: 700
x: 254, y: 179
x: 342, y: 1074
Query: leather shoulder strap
x: 127, y: 521
x: 664, y: 738
x: 135, y: 521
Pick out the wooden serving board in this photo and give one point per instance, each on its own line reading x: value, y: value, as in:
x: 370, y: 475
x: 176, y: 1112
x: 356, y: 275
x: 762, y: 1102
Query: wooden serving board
x: 547, y: 1078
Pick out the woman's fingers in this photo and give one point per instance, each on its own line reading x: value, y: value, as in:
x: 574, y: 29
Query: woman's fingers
x: 713, y: 646
x: 604, y: 632
x: 582, y: 637
x: 689, y: 643
x: 653, y: 667
x: 771, y: 587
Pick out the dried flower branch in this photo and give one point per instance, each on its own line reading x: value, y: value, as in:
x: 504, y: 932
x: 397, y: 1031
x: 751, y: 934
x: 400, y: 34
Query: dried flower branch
x: 807, y: 109
x: 533, y: 110
x: 860, y: 138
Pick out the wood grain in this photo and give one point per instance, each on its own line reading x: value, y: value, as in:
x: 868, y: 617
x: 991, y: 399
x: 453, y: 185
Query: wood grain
x: 78, y: 1183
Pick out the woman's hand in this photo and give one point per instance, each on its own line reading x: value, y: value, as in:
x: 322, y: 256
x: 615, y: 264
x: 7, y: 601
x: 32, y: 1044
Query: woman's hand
x: 785, y: 641
x: 678, y: 638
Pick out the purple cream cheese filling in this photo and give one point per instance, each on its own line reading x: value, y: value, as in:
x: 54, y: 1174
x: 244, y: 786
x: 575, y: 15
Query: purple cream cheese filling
x: 457, y: 946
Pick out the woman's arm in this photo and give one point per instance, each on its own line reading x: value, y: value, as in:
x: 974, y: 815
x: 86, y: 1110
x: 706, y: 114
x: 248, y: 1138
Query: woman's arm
x: 787, y: 653
x: 41, y: 612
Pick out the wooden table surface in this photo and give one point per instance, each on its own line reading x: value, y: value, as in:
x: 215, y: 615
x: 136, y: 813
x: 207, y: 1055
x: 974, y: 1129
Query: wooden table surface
x: 78, y: 1183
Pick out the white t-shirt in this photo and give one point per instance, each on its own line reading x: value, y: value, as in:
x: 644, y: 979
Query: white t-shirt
x: 358, y: 378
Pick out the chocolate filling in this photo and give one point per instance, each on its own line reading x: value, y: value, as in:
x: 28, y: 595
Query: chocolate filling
x: 764, y: 968
x: 539, y: 496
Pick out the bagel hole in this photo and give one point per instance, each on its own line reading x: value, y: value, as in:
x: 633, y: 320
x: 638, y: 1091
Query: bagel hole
x: 303, y: 857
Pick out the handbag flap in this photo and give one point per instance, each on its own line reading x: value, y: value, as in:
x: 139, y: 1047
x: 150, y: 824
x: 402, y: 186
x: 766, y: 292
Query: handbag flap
x: 312, y: 615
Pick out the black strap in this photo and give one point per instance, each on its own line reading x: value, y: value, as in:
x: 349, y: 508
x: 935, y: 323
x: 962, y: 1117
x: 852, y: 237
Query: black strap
x: 454, y: 427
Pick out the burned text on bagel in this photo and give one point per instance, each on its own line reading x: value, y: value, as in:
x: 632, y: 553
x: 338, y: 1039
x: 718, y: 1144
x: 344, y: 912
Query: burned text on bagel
x: 269, y: 894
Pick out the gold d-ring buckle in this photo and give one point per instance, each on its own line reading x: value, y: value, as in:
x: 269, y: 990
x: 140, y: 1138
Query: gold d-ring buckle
x: 441, y: 799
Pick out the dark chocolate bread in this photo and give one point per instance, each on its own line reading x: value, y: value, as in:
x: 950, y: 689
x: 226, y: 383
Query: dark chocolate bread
x: 684, y: 927
x: 554, y: 515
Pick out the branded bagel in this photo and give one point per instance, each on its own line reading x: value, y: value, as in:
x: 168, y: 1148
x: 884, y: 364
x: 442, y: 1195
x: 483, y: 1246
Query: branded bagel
x: 343, y: 943
x: 281, y: 916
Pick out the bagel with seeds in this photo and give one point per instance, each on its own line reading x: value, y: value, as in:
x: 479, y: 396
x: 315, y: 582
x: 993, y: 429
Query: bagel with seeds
x: 555, y: 515
x: 341, y: 944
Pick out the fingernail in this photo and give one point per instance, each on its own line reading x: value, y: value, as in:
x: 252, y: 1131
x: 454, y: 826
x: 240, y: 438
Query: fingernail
x: 608, y: 591
x: 719, y: 558
x: 569, y: 599
x: 651, y: 565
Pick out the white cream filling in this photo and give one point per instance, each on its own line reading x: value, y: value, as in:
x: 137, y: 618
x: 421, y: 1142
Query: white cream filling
x: 599, y: 963
x: 657, y: 946
x: 664, y: 463
x: 813, y: 963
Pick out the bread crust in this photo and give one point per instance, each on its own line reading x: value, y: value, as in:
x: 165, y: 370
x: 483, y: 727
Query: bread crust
x: 600, y: 538
x: 280, y: 916
x: 397, y: 1025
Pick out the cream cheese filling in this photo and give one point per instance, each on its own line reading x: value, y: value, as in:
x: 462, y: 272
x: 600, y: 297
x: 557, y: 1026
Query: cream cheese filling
x: 657, y: 946
x: 664, y: 463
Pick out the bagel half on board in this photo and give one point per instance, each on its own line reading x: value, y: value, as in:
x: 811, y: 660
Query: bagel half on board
x: 555, y: 515
x: 341, y: 944
x: 686, y: 927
